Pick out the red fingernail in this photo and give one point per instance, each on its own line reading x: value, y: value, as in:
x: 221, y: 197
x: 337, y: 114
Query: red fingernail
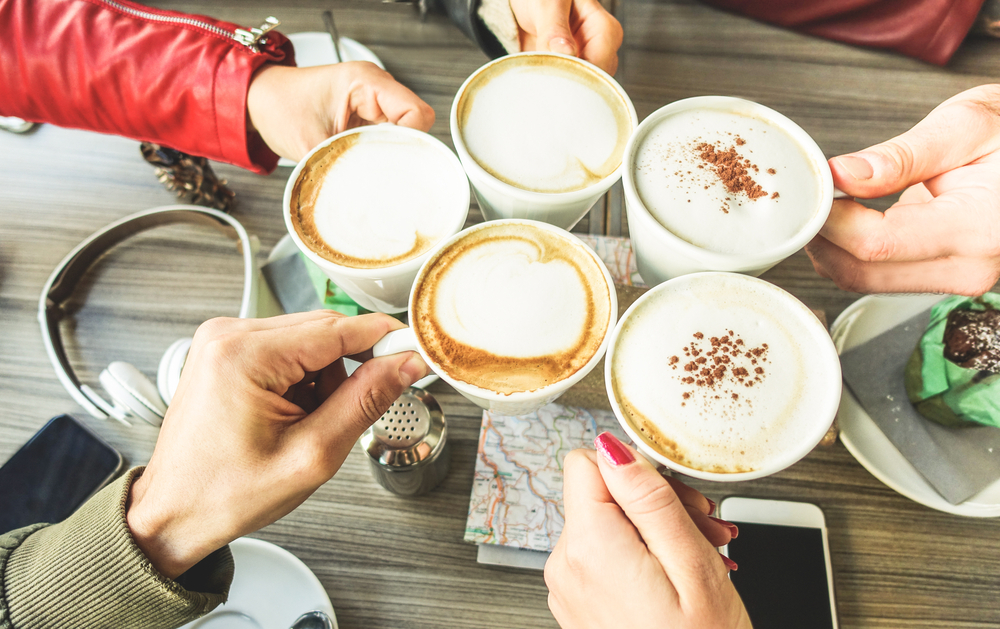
x: 613, y: 450
x: 730, y: 564
x: 733, y: 529
x: 711, y: 506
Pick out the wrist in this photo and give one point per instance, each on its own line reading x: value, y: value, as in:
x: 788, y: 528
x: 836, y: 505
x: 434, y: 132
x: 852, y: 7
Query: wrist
x: 159, y: 535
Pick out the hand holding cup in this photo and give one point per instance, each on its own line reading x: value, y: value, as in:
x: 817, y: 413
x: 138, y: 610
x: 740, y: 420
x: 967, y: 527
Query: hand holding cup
x: 941, y: 236
x: 637, y: 550
x: 264, y: 414
x: 294, y: 109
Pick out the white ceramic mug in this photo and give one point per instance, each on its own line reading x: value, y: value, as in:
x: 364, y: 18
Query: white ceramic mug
x: 812, y: 417
x: 382, y: 289
x: 518, y: 402
x: 498, y: 199
x: 661, y: 255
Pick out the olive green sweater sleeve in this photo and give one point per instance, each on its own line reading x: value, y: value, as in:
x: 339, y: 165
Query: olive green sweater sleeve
x: 88, y: 572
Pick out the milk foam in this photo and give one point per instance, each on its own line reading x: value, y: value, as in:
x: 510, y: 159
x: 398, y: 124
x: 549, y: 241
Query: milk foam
x: 544, y: 124
x: 378, y: 198
x: 710, y: 430
x: 512, y: 307
x: 688, y: 198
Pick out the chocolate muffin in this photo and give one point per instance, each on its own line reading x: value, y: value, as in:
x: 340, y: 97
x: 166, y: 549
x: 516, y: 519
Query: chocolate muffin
x: 953, y: 376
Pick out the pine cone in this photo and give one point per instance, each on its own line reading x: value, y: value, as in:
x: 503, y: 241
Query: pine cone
x: 191, y: 178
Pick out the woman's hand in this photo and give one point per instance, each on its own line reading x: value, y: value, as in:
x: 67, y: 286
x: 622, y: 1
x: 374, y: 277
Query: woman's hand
x: 638, y: 550
x: 294, y: 109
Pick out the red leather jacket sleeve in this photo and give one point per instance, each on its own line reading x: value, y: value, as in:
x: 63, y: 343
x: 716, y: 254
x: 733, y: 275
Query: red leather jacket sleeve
x: 149, y: 74
x: 930, y: 30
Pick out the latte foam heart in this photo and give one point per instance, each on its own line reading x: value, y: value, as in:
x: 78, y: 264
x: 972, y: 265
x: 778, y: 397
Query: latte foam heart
x: 511, y: 307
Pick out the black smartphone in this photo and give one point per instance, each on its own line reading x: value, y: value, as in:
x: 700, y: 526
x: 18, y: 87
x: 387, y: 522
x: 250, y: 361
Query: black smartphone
x: 54, y: 473
x: 785, y: 578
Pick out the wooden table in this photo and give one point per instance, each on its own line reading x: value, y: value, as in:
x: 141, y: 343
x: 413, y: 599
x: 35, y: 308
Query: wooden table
x: 393, y: 562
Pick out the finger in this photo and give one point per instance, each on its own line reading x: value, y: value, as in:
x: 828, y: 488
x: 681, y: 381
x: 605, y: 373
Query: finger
x: 599, y: 35
x: 301, y: 393
x: 956, y: 275
x: 957, y: 223
x: 658, y: 514
x: 917, y: 193
x: 388, y: 100
x: 583, y: 486
x: 330, y: 379
x: 220, y: 326
x: 691, y: 497
x: 552, y: 30
x: 717, y: 532
x: 280, y: 357
x: 303, y: 396
x: 958, y: 132
x: 361, y: 399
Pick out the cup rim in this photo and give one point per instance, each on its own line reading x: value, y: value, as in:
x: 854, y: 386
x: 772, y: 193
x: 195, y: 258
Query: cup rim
x: 472, y: 166
x: 406, y: 266
x: 732, y: 261
x: 518, y: 396
x: 826, y: 407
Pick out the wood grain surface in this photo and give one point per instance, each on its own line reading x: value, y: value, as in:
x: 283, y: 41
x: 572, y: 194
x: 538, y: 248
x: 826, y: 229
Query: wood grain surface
x: 392, y: 562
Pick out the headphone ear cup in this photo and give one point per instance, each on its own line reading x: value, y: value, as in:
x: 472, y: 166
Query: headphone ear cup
x: 131, y: 390
x: 168, y: 375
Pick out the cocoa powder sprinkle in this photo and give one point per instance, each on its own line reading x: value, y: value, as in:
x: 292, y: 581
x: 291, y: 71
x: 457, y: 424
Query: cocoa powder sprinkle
x: 720, y: 368
x: 732, y: 169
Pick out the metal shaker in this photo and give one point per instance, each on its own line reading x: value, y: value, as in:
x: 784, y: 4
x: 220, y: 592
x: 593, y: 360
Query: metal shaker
x: 407, y: 447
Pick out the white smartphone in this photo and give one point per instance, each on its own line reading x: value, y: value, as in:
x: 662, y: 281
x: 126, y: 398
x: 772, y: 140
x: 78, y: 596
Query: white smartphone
x: 784, y: 576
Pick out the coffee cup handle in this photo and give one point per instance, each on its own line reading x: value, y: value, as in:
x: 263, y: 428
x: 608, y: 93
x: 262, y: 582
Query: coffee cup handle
x: 840, y: 194
x: 395, y: 342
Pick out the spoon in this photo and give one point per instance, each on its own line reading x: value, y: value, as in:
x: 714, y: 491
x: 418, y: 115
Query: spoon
x: 313, y: 620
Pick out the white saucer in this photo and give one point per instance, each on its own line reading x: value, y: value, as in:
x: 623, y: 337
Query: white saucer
x: 286, y: 247
x: 316, y: 49
x: 862, y: 321
x: 271, y: 589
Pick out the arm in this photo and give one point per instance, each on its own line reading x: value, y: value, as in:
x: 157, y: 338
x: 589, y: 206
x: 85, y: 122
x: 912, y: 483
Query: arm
x: 137, y: 72
x: 87, y: 571
x: 264, y: 415
x: 185, y: 81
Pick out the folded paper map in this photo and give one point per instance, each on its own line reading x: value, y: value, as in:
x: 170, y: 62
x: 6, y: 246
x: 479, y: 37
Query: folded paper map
x: 517, y: 492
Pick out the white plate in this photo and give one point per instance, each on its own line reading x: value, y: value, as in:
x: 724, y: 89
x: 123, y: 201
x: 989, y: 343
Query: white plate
x: 316, y: 49
x: 271, y: 589
x: 286, y: 247
x: 862, y: 321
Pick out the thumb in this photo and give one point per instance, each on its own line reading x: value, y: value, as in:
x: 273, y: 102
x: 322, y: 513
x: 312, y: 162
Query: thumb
x: 958, y: 132
x: 552, y: 29
x: 658, y: 514
x: 364, y: 397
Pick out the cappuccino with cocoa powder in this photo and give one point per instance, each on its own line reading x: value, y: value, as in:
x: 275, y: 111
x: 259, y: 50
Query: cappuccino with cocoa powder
x: 724, y: 374
x: 512, y: 307
x: 726, y: 181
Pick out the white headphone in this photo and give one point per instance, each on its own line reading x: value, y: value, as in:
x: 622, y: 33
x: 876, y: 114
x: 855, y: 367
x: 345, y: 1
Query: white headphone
x: 132, y: 394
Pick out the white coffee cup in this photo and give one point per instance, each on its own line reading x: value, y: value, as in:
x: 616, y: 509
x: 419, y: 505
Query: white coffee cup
x: 661, y: 254
x: 426, y: 161
x: 503, y: 279
x: 769, y: 406
x: 500, y: 199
